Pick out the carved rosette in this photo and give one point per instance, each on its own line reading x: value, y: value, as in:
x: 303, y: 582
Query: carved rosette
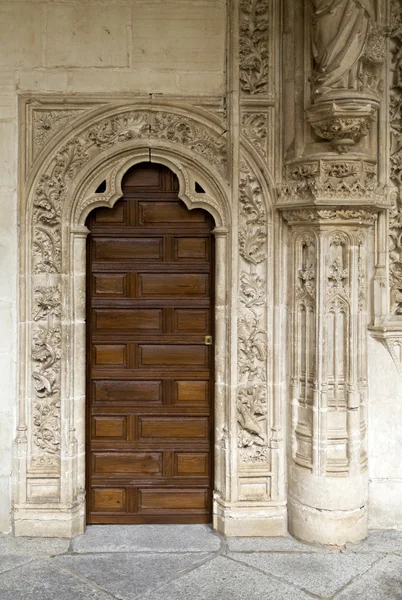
x: 252, y: 401
x: 49, y: 196
x: 329, y: 312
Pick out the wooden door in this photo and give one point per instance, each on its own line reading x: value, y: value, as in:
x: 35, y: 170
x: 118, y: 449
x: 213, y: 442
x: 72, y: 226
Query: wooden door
x: 150, y: 372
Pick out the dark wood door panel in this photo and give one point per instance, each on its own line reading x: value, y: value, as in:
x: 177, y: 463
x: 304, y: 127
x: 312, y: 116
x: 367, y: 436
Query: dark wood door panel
x: 150, y: 374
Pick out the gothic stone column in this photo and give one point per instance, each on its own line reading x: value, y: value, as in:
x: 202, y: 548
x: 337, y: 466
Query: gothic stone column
x: 328, y: 478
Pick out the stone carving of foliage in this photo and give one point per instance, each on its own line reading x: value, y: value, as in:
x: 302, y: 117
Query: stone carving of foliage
x: 46, y: 123
x: 252, y: 336
x: 332, y: 181
x: 338, y: 271
x: 395, y: 118
x: 46, y: 353
x: 307, y: 270
x: 255, y: 128
x: 178, y: 129
x: 306, y: 214
x: 48, y: 302
x: 47, y: 217
x: 254, y: 54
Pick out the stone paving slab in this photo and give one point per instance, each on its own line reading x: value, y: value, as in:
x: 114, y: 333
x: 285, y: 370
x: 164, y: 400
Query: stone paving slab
x: 130, y: 576
x: 32, y: 546
x: 382, y: 582
x: 321, y: 574
x: 224, y: 579
x: 379, y: 541
x: 147, y: 538
x: 269, y: 544
x: 11, y: 562
x: 42, y: 580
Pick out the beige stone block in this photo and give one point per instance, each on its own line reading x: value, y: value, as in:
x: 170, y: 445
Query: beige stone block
x: 8, y: 221
x: 211, y: 83
x: 5, y: 505
x: 20, y: 34
x: 385, y: 507
x: 43, y: 81
x: 138, y: 81
x: 8, y: 157
x: 8, y: 106
x: 190, y: 36
x: 6, y: 435
x: 86, y: 35
x: 7, y: 80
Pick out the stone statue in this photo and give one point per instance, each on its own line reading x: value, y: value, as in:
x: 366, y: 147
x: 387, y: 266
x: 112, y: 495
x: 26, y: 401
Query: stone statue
x: 340, y: 30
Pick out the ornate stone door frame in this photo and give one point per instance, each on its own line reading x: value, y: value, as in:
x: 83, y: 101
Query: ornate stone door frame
x: 69, y: 149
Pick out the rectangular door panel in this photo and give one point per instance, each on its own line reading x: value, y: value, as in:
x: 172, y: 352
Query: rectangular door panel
x: 191, y: 393
x: 190, y: 320
x: 174, y: 428
x: 189, y: 464
x: 109, y: 499
x: 169, y: 355
x: 133, y: 392
x: 109, y: 427
x: 134, y: 464
x: 163, y: 285
x: 136, y: 320
x: 189, y: 249
x: 172, y: 500
x: 110, y: 284
x: 109, y: 249
x: 110, y: 355
x: 169, y: 213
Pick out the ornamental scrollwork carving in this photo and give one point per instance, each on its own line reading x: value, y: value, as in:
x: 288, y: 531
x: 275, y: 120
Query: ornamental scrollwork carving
x: 254, y: 53
x: 46, y: 353
x: 47, y: 301
x: 255, y: 128
x: 363, y: 216
x: 46, y: 123
x: 174, y: 128
x: 395, y: 119
x: 252, y: 337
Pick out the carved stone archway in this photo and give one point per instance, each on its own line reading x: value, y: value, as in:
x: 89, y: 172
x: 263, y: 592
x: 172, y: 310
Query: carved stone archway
x: 101, y: 144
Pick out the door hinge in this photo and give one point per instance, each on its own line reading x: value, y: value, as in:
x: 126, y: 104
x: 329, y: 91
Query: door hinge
x: 208, y: 340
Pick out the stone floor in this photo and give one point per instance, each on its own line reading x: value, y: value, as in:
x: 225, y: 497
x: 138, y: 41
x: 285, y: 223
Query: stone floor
x: 180, y: 562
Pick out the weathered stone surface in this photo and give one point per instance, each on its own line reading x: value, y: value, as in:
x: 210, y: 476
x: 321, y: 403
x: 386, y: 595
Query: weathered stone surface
x: 85, y: 35
x: 382, y: 582
x: 128, y: 576
x: 221, y: 579
x: 32, y: 546
x: 11, y: 562
x: 20, y: 34
x: 321, y: 574
x: 45, y: 581
x: 148, y: 538
x: 379, y: 541
x: 270, y: 544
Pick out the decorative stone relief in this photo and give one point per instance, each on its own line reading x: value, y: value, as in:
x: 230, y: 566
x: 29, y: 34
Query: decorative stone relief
x: 46, y: 123
x: 48, y: 203
x: 254, y: 53
x: 174, y: 128
x: 255, y: 128
x: 252, y: 403
x: 361, y: 215
x: 332, y: 180
x: 395, y: 118
x: 346, y: 86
